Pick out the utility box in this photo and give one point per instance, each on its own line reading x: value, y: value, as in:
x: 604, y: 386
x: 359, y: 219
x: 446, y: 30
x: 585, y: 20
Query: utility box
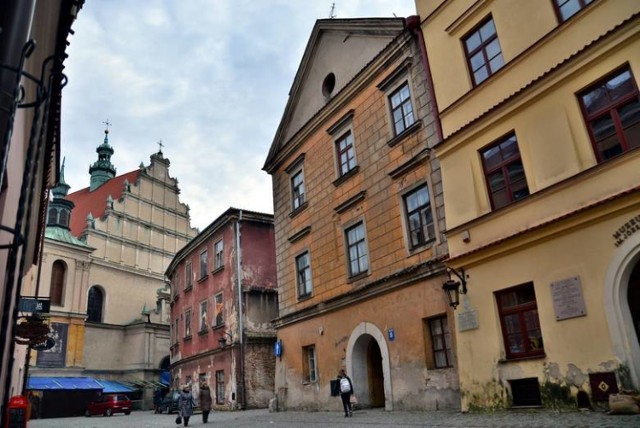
x: 17, y: 412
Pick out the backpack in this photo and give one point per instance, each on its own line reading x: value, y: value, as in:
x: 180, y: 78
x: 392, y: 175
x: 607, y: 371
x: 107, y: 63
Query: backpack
x: 344, y: 385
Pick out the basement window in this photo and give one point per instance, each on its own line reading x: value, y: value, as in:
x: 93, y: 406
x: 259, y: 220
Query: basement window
x: 526, y: 392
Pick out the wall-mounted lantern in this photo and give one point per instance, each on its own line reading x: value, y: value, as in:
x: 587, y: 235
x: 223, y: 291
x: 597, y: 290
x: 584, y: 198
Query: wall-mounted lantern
x: 454, y: 288
x: 223, y: 340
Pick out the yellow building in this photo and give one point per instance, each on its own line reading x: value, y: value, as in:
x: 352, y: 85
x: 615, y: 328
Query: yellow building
x: 540, y: 112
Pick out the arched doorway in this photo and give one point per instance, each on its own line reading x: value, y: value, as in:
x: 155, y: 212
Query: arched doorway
x: 622, y: 306
x: 368, y: 366
x: 633, y: 298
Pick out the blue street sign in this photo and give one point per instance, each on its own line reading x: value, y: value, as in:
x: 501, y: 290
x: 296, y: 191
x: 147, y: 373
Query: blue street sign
x: 392, y: 334
x: 277, y: 351
x: 31, y: 304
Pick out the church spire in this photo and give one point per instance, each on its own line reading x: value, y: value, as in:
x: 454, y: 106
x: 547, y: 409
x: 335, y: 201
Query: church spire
x: 102, y: 170
x: 59, y: 209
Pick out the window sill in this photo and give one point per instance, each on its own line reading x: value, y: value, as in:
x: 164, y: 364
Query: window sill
x: 420, y: 248
x: 304, y: 297
x: 202, y: 279
x: 524, y: 358
x: 298, y: 210
x: 344, y: 177
x: 217, y: 327
x: 186, y: 338
x: 357, y: 277
x: 188, y: 289
x: 203, y: 332
x: 404, y: 134
x: 216, y: 270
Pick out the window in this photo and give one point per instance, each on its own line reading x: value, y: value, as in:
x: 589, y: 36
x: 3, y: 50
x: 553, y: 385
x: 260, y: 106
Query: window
x: 504, y: 172
x: 188, y: 275
x: 419, y: 217
x: 356, y: 250
x: 58, y: 273
x: 175, y: 330
x: 220, y: 387
x: 203, y: 264
x: 203, y: 315
x: 483, y: 52
x: 219, y: 310
x: 565, y: 9
x: 303, y: 274
x: 219, y: 254
x: 297, y: 189
x: 612, y: 111
x: 94, y: 304
x: 64, y: 218
x: 187, y: 323
x: 441, y: 342
x: 310, y: 369
x: 401, y: 109
x: 345, y: 154
x: 52, y: 219
x: 518, y: 311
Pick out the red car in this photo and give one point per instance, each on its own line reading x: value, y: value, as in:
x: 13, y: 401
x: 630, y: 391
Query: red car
x: 108, y: 405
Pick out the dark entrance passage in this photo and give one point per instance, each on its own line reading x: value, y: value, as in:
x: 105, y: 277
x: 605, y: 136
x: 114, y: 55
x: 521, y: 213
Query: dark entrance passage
x: 368, y: 374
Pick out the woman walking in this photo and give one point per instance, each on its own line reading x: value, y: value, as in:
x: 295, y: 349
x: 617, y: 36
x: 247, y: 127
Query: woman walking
x: 205, y: 401
x: 186, y: 404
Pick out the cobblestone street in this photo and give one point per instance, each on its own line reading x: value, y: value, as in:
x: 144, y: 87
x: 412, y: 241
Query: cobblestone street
x: 360, y: 419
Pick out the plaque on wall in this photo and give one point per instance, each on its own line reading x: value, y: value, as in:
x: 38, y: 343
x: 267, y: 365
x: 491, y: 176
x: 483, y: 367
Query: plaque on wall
x: 568, y: 301
x: 467, y: 320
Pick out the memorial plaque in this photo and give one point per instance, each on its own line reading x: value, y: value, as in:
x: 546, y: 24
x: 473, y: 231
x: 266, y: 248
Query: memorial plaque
x: 568, y: 301
x: 467, y: 320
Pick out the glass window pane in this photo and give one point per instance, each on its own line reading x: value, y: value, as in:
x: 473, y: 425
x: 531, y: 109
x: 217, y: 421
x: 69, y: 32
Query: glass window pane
x: 603, y: 127
x: 595, y: 100
x: 481, y: 75
x: 487, y: 30
x: 630, y: 113
x: 496, y: 181
x: 477, y: 61
x: 496, y: 63
x: 473, y: 41
x: 569, y: 8
x: 620, y: 85
x: 493, y: 48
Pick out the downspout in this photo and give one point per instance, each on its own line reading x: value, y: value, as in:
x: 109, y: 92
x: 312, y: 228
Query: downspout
x: 413, y: 25
x: 240, y: 311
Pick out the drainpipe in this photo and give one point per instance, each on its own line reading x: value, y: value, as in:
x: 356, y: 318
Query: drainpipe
x: 413, y: 24
x: 242, y: 398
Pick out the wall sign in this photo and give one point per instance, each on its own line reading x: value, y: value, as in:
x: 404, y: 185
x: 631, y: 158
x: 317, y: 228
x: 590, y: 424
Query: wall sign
x: 467, y: 320
x: 568, y: 301
x: 626, y: 230
x: 392, y: 334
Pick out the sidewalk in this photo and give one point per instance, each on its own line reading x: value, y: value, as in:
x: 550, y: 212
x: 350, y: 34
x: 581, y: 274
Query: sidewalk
x: 361, y: 419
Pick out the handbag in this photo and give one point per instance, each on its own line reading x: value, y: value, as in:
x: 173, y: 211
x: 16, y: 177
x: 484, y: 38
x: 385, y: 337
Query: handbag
x: 353, y: 399
x: 178, y: 420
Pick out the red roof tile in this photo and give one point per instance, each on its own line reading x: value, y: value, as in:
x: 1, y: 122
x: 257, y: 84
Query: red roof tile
x: 95, y: 202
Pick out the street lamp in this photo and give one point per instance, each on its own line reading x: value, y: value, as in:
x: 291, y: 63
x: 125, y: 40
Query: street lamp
x: 452, y: 287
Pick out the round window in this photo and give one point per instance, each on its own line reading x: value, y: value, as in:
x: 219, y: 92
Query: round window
x: 328, y: 84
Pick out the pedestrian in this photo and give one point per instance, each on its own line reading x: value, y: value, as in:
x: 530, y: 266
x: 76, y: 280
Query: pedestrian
x: 346, y: 390
x: 186, y: 404
x: 205, y: 401
x: 157, y: 398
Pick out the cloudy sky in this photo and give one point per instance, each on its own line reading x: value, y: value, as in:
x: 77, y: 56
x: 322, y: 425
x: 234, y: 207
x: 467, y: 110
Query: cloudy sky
x: 210, y: 78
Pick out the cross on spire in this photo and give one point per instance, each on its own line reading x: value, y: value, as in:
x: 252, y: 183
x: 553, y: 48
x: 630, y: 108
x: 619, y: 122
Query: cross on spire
x: 108, y: 124
x: 160, y: 146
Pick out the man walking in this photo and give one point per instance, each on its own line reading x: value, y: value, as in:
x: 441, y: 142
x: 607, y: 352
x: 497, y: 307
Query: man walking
x: 346, y: 390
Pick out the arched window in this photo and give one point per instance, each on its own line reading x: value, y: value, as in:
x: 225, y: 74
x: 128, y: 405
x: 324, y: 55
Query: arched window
x: 64, y: 218
x: 53, y: 216
x: 94, y: 304
x: 58, y: 274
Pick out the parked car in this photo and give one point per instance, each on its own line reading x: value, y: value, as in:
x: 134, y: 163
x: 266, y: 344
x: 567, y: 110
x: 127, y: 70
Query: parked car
x: 170, y: 402
x: 109, y: 404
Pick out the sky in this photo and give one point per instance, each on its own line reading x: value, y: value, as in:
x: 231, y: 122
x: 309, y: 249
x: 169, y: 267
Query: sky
x: 208, y: 78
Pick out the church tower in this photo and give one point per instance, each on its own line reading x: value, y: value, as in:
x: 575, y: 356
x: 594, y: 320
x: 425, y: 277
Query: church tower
x: 102, y: 170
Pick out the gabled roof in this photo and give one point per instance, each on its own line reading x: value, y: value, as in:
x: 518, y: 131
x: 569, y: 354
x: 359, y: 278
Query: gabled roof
x: 96, y: 202
x: 341, y: 46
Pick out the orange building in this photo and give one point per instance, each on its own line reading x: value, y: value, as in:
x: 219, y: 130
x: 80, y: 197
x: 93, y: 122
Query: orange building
x: 359, y: 222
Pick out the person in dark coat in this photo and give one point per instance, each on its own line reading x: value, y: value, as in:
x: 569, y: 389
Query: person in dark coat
x: 157, y: 399
x: 205, y: 401
x: 346, y: 390
x: 186, y: 404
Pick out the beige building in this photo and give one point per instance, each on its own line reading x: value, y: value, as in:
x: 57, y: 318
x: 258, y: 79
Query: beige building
x: 103, y: 268
x: 358, y: 224
x: 31, y: 82
x: 540, y: 113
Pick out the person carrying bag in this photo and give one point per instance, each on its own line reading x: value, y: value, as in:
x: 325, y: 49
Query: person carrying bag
x: 346, y: 391
x: 185, y: 404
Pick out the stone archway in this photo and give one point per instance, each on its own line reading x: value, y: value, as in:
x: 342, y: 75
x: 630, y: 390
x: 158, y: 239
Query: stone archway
x: 621, y: 284
x: 368, y: 366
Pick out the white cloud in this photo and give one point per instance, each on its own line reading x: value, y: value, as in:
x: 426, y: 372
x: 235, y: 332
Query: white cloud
x: 208, y: 78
